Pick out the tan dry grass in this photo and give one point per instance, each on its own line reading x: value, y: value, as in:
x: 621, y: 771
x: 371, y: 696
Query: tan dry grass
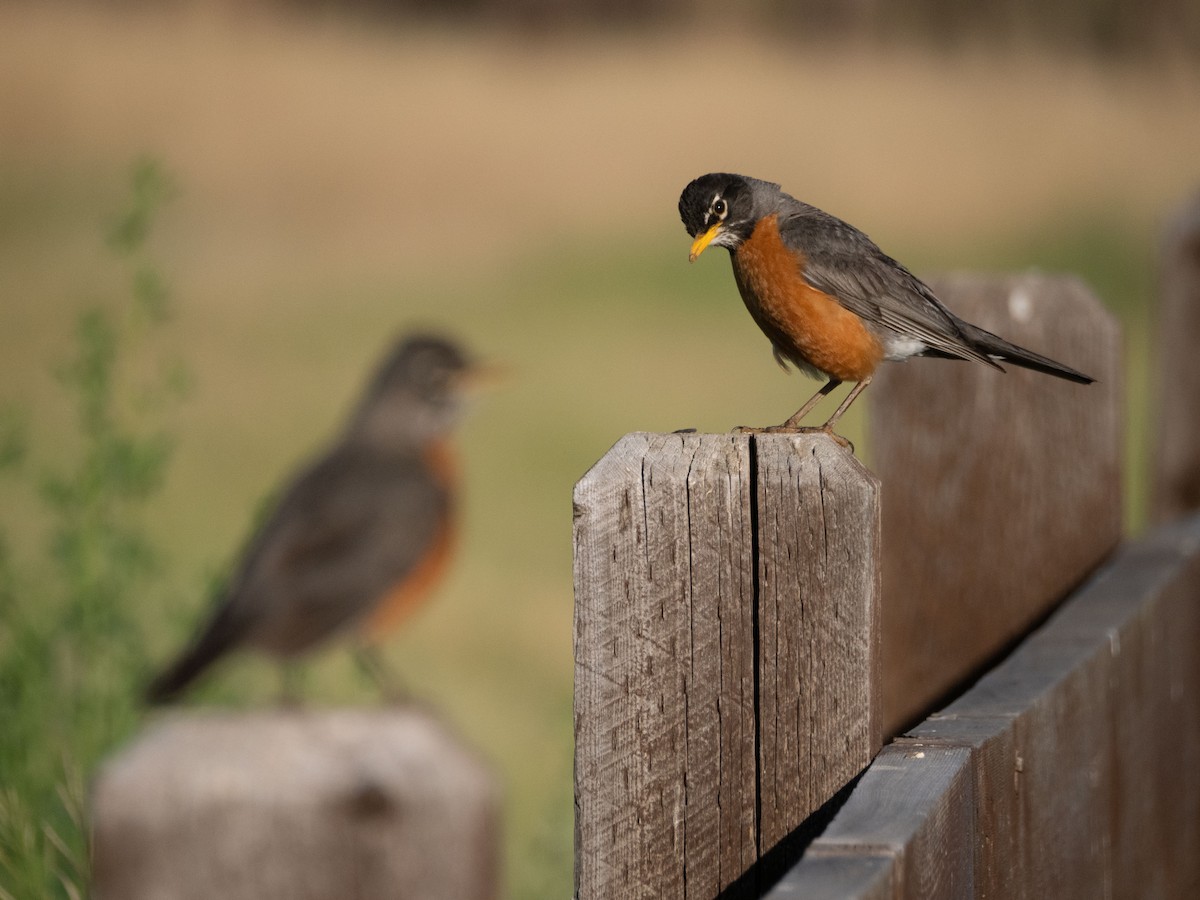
x: 339, y: 146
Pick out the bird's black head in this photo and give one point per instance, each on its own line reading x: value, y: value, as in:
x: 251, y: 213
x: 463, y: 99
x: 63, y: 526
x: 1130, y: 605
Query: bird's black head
x: 416, y: 394
x: 422, y: 365
x: 722, y: 209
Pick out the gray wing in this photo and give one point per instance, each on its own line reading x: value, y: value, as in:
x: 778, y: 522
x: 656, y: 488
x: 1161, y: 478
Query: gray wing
x: 846, y: 264
x: 345, y: 533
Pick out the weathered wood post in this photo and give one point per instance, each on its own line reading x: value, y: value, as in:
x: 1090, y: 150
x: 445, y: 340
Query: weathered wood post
x: 726, y: 677
x: 1000, y: 491
x: 358, y: 804
x: 1175, y: 475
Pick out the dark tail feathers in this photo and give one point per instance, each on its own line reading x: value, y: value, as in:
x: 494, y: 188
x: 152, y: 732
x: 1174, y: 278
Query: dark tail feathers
x: 994, y: 345
x: 218, y: 637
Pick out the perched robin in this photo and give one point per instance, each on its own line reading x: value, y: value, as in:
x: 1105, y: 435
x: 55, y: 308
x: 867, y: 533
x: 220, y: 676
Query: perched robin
x: 360, y: 536
x: 830, y: 301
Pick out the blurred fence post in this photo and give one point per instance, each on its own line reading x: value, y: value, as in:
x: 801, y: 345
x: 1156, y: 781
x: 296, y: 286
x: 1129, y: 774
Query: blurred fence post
x: 359, y: 804
x: 726, y: 676
x: 1001, y: 492
x: 1175, y: 471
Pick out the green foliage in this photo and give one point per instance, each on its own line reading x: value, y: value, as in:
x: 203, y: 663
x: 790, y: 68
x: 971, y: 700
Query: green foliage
x: 71, y: 652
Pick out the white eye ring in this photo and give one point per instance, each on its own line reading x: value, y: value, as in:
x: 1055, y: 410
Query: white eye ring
x: 720, y: 208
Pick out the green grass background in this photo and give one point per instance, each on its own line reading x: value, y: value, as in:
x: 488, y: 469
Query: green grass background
x: 284, y: 298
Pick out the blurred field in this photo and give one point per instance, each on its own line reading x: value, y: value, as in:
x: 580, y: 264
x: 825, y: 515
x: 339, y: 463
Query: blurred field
x: 340, y: 182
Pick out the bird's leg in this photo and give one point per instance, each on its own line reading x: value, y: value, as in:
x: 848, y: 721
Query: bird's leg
x: 372, y: 664
x: 792, y: 425
x: 794, y: 422
x: 850, y: 398
x: 292, y: 686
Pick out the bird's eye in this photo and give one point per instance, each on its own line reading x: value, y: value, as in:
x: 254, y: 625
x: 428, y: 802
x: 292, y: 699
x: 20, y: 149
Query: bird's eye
x: 719, y: 209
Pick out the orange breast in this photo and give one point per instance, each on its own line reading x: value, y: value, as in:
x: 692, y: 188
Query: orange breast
x: 412, y: 590
x: 806, y: 324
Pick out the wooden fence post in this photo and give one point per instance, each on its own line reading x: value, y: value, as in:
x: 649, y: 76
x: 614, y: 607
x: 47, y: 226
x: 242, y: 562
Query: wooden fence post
x: 359, y: 804
x: 1000, y: 491
x: 1175, y: 474
x: 725, y: 666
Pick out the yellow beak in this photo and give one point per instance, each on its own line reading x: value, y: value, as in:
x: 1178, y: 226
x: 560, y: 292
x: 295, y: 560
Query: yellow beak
x: 483, y: 376
x: 703, y: 241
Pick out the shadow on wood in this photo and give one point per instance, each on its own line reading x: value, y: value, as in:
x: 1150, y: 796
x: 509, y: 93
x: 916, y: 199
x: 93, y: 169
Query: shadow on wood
x: 356, y: 804
x: 1001, y: 491
x: 781, y: 858
x: 725, y: 653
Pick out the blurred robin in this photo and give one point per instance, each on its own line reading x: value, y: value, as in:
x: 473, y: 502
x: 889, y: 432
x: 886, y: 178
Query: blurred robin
x: 831, y: 302
x: 360, y: 537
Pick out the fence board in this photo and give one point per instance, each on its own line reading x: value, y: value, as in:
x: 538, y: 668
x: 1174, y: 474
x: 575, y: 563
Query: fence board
x: 978, y: 469
x: 359, y: 804
x: 911, y: 808
x: 818, y: 540
x: 1175, y: 476
x: 1084, y: 744
x: 862, y: 875
x: 701, y: 669
x: 1102, y: 735
x: 663, y: 557
x: 720, y: 710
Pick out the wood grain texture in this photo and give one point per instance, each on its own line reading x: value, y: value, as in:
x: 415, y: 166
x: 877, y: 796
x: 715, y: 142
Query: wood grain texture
x: 721, y: 774
x: 664, y: 678
x: 818, y: 541
x: 342, y: 803
x: 1175, y: 471
x: 668, y: 751
x: 1001, y: 491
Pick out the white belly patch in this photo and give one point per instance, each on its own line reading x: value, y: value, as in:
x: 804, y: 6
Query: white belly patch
x: 896, y: 348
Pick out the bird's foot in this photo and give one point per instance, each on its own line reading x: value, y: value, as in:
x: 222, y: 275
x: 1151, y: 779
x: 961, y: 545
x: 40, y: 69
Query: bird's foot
x: 291, y: 689
x: 391, y: 687
x: 837, y: 438
x: 797, y: 429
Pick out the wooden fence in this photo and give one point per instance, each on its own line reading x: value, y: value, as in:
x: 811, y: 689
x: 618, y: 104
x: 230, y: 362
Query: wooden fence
x: 1000, y: 492
x: 794, y: 678
x: 757, y: 615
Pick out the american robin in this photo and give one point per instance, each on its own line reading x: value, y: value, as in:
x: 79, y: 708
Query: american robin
x: 361, y: 535
x: 829, y: 300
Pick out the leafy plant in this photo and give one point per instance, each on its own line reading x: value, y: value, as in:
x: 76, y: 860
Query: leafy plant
x: 71, y: 649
